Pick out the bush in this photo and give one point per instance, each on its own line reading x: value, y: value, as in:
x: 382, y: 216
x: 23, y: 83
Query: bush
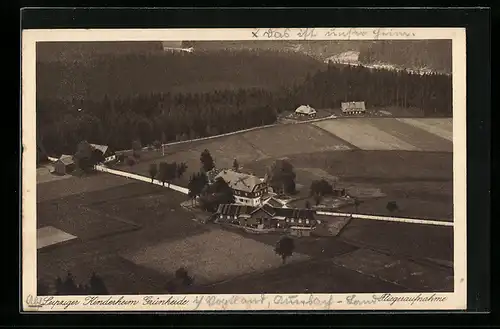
x: 157, y: 145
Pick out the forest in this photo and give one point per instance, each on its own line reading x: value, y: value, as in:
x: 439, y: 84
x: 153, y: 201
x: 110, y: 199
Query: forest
x: 120, y: 111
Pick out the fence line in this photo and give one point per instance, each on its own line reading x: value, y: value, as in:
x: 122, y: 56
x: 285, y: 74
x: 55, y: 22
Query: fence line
x: 388, y: 219
x: 141, y: 178
x: 327, y: 213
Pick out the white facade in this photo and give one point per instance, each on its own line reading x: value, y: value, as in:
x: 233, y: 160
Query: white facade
x: 305, y: 110
x: 254, y: 202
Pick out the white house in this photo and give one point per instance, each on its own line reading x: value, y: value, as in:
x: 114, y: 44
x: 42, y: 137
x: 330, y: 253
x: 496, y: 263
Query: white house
x: 305, y: 110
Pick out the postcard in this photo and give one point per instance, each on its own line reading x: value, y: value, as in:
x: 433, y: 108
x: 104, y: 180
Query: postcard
x: 244, y: 169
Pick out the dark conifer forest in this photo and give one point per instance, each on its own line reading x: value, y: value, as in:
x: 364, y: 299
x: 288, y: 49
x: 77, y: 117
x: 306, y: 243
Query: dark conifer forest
x: 116, y: 99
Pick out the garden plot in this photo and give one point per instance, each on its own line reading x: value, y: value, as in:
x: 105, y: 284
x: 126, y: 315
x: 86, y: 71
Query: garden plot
x: 210, y: 257
x: 442, y: 127
x: 361, y: 133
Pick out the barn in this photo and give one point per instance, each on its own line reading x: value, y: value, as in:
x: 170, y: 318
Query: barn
x: 353, y: 108
x: 64, y: 165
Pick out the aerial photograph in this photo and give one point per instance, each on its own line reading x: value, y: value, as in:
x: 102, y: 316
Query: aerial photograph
x: 244, y: 167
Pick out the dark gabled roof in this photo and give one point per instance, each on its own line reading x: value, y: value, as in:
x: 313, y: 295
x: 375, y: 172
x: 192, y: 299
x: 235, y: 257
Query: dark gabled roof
x: 239, y: 181
x: 234, y: 209
x: 267, y: 209
x: 237, y: 209
x: 295, y: 213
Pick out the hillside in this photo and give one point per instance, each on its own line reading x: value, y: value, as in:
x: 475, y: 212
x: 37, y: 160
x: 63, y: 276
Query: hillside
x: 134, y: 73
x: 433, y: 54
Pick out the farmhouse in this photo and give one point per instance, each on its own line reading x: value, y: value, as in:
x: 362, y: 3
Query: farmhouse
x: 106, y: 152
x: 305, y: 110
x: 65, y: 164
x: 265, y: 217
x: 247, y: 189
x: 349, y: 108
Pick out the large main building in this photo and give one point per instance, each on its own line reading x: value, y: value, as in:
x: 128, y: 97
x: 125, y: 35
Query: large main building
x: 248, y: 189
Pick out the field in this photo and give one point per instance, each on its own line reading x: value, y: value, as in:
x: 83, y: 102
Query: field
x: 247, y: 147
x: 385, y: 134
x: 440, y: 127
x: 293, y: 139
x: 136, y: 234
x: 210, y: 257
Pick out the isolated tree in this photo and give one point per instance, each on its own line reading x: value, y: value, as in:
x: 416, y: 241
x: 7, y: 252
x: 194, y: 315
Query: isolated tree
x: 207, y: 162
x: 97, y: 157
x: 281, y: 176
x: 192, y: 187
x: 136, y: 148
x: 83, y: 156
x: 182, y: 275
x: 284, y: 248
x: 171, y: 172
x: 317, y: 198
x: 321, y: 187
x: 157, y: 145
x: 68, y: 286
x: 236, y: 165
x: 153, y: 171
x: 130, y: 161
x: 163, y: 172
x: 357, y: 203
x: 120, y: 157
x: 97, y: 286
x: 181, y: 169
x: 58, y: 284
x: 215, y: 194
x: 392, y: 206
x: 308, y: 204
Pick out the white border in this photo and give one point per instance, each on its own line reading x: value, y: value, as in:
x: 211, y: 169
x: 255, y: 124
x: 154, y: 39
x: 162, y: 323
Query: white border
x: 456, y: 300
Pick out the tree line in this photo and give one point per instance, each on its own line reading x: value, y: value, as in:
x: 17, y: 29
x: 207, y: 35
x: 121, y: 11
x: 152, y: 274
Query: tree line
x: 168, y: 117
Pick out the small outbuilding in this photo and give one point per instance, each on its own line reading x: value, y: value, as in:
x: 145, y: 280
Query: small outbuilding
x: 64, y: 165
x: 305, y: 110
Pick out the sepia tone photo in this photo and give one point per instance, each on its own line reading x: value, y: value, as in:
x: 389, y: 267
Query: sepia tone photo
x: 245, y: 167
